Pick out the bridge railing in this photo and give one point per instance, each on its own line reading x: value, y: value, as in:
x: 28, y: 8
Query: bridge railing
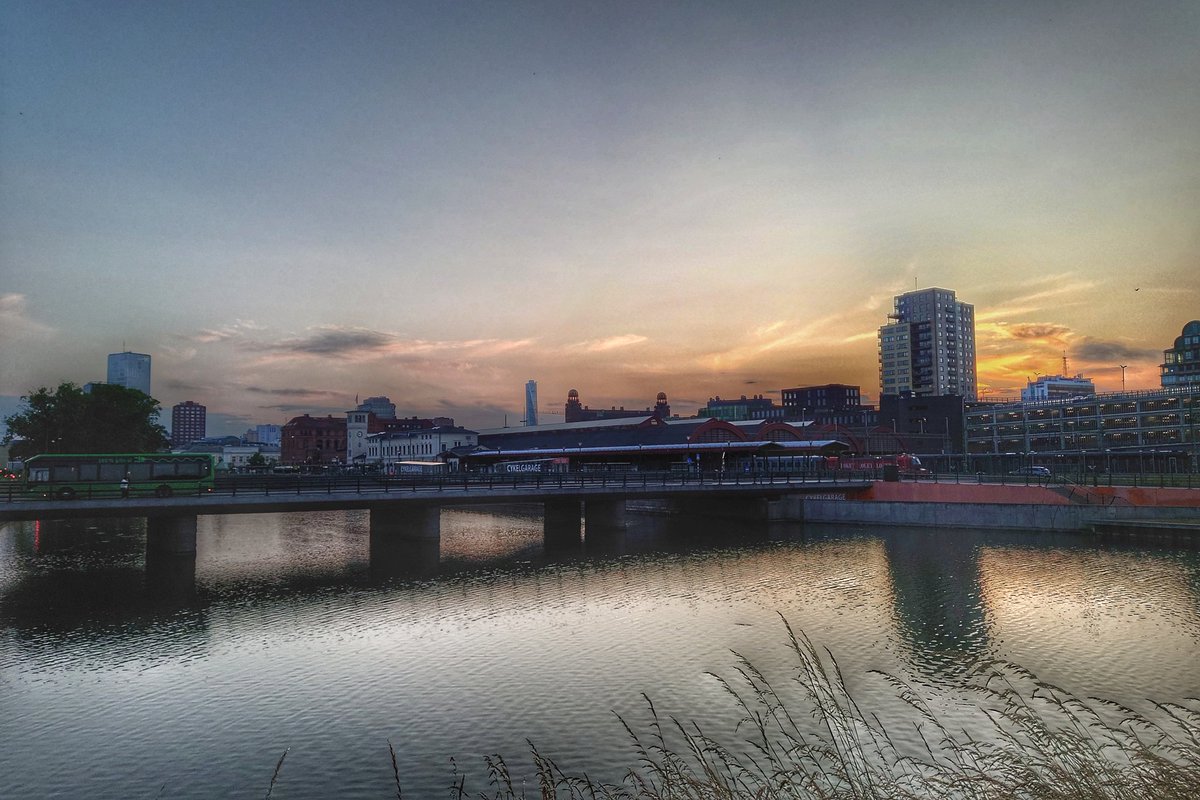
x: 270, y: 485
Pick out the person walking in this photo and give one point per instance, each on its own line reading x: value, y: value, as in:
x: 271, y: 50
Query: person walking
x: 125, y: 486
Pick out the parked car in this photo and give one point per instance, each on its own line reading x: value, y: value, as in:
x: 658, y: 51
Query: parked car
x: 1035, y: 472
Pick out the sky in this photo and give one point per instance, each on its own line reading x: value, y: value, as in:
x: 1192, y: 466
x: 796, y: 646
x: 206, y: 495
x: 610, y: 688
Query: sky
x: 290, y: 205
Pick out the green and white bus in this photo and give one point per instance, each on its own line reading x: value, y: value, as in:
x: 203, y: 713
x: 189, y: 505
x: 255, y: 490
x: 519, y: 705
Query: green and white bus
x: 100, y: 474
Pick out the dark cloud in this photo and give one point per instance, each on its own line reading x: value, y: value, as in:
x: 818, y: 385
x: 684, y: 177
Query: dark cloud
x: 1100, y: 350
x: 301, y: 408
x: 1038, y: 330
x: 184, y: 386
x: 290, y: 392
x: 335, y: 342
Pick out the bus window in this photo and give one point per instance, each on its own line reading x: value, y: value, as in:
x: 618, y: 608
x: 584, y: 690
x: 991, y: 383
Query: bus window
x: 164, y: 470
x: 39, y: 474
x: 139, y: 472
x: 64, y: 473
x: 89, y: 472
x: 112, y: 473
x: 189, y: 469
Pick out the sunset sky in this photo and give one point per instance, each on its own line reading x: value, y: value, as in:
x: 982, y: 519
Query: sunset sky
x: 290, y: 204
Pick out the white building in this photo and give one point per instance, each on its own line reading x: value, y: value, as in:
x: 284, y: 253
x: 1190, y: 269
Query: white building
x: 418, y: 445
x: 131, y: 370
x: 357, y: 434
x: 929, y: 347
x: 1057, y: 387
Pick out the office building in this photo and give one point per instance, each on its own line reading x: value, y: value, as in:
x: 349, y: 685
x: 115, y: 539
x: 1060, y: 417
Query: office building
x: 131, y: 370
x: 928, y: 348
x: 1181, y: 363
x: 1057, y: 387
x: 188, y: 423
x: 531, y: 406
x: 743, y: 408
x: 382, y: 407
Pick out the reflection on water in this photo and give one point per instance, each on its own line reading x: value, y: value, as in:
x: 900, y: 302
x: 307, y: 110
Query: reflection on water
x: 121, y: 675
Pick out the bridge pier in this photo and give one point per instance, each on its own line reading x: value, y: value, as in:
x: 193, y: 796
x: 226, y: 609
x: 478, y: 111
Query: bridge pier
x: 739, y: 508
x: 604, y: 515
x: 171, y: 535
x: 405, y: 541
x: 561, y: 524
x: 407, y: 522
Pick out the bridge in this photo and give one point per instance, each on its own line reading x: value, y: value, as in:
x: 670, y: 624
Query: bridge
x: 409, y: 509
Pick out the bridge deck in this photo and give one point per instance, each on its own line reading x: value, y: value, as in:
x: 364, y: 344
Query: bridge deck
x: 446, y: 492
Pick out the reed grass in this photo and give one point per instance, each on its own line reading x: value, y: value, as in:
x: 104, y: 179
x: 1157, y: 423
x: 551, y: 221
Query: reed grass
x: 810, y: 740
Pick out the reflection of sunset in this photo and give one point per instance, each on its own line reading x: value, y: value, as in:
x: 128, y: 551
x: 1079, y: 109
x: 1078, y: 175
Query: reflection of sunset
x: 1056, y: 610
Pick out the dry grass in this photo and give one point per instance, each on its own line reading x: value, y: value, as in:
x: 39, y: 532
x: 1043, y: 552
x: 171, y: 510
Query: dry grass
x: 1041, y: 743
x: 1037, y: 742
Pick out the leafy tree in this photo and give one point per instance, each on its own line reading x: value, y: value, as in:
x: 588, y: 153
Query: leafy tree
x: 109, y: 419
x: 257, y: 460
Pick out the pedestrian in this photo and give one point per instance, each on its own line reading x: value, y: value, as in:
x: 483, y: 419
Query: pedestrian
x: 125, y: 486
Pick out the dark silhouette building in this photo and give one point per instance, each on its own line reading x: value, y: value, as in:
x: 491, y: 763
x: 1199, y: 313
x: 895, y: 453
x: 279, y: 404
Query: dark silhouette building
x: 189, y: 423
x: 577, y: 412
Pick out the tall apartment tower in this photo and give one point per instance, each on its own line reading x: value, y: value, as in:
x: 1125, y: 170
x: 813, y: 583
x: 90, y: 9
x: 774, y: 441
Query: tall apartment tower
x: 928, y: 348
x: 131, y: 370
x: 189, y: 423
x: 531, y: 406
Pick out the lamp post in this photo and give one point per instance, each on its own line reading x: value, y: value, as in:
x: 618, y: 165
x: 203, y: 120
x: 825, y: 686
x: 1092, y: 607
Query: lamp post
x: 1122, y: 366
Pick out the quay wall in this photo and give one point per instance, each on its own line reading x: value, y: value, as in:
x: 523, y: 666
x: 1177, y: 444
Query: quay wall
x: 1038, y: 508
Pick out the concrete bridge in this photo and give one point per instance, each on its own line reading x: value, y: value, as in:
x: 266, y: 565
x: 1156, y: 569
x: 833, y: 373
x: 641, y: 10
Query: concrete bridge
x: 410, y: 510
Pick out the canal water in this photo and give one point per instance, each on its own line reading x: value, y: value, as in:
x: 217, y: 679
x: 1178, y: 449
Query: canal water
x: 189, y: 679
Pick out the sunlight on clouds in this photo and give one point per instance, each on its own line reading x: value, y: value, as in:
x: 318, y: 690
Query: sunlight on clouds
x: 613, y: 342
x: 15, y: 319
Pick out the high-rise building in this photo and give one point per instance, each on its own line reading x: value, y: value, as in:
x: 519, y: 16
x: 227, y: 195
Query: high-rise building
x: 382, y: 407
x: 531, y: 406
x: 1181, y: 363
x: 928, y: 348
x: 189, y: 423
x: 131, y: 370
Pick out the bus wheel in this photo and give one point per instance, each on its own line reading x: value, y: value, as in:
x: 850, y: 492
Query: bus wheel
x: 66, y: 493
x: 163, y: 491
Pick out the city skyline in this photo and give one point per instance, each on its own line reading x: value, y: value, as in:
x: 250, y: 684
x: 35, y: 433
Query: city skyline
x: 289, y: 205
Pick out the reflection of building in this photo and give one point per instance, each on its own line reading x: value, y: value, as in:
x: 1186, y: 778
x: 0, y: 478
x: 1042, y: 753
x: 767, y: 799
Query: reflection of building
x: 131, y: 370
x: 188, y: 423
x: 929, y: 348
x: 1057, y: 387
x: 1181, y: 364
x: 938, y: 601
x: 313, y: 440
x: 531, y: 407
x: 577, y: 412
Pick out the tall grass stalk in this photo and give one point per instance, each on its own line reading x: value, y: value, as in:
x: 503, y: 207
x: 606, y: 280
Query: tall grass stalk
x: 809, y: 739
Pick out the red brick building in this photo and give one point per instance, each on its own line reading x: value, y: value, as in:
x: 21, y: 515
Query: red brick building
x: 313, y: 440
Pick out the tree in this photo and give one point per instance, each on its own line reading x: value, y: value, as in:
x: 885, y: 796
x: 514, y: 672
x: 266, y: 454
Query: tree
x: 108, y: 419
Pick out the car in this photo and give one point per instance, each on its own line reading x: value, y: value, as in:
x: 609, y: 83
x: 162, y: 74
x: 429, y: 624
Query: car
x: 1033, y: 472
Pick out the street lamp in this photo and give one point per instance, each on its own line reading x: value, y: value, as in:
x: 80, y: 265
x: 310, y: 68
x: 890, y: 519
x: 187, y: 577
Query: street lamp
x: 1122, y: 366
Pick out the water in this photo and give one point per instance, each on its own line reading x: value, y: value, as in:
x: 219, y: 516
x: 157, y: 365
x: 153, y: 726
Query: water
x: 122, y: 678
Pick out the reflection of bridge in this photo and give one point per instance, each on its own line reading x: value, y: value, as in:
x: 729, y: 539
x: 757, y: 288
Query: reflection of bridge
x: 410, y: 510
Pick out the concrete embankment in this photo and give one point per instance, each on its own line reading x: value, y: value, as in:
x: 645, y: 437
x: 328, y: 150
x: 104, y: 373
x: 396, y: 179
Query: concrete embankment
x: 1041, y: 508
